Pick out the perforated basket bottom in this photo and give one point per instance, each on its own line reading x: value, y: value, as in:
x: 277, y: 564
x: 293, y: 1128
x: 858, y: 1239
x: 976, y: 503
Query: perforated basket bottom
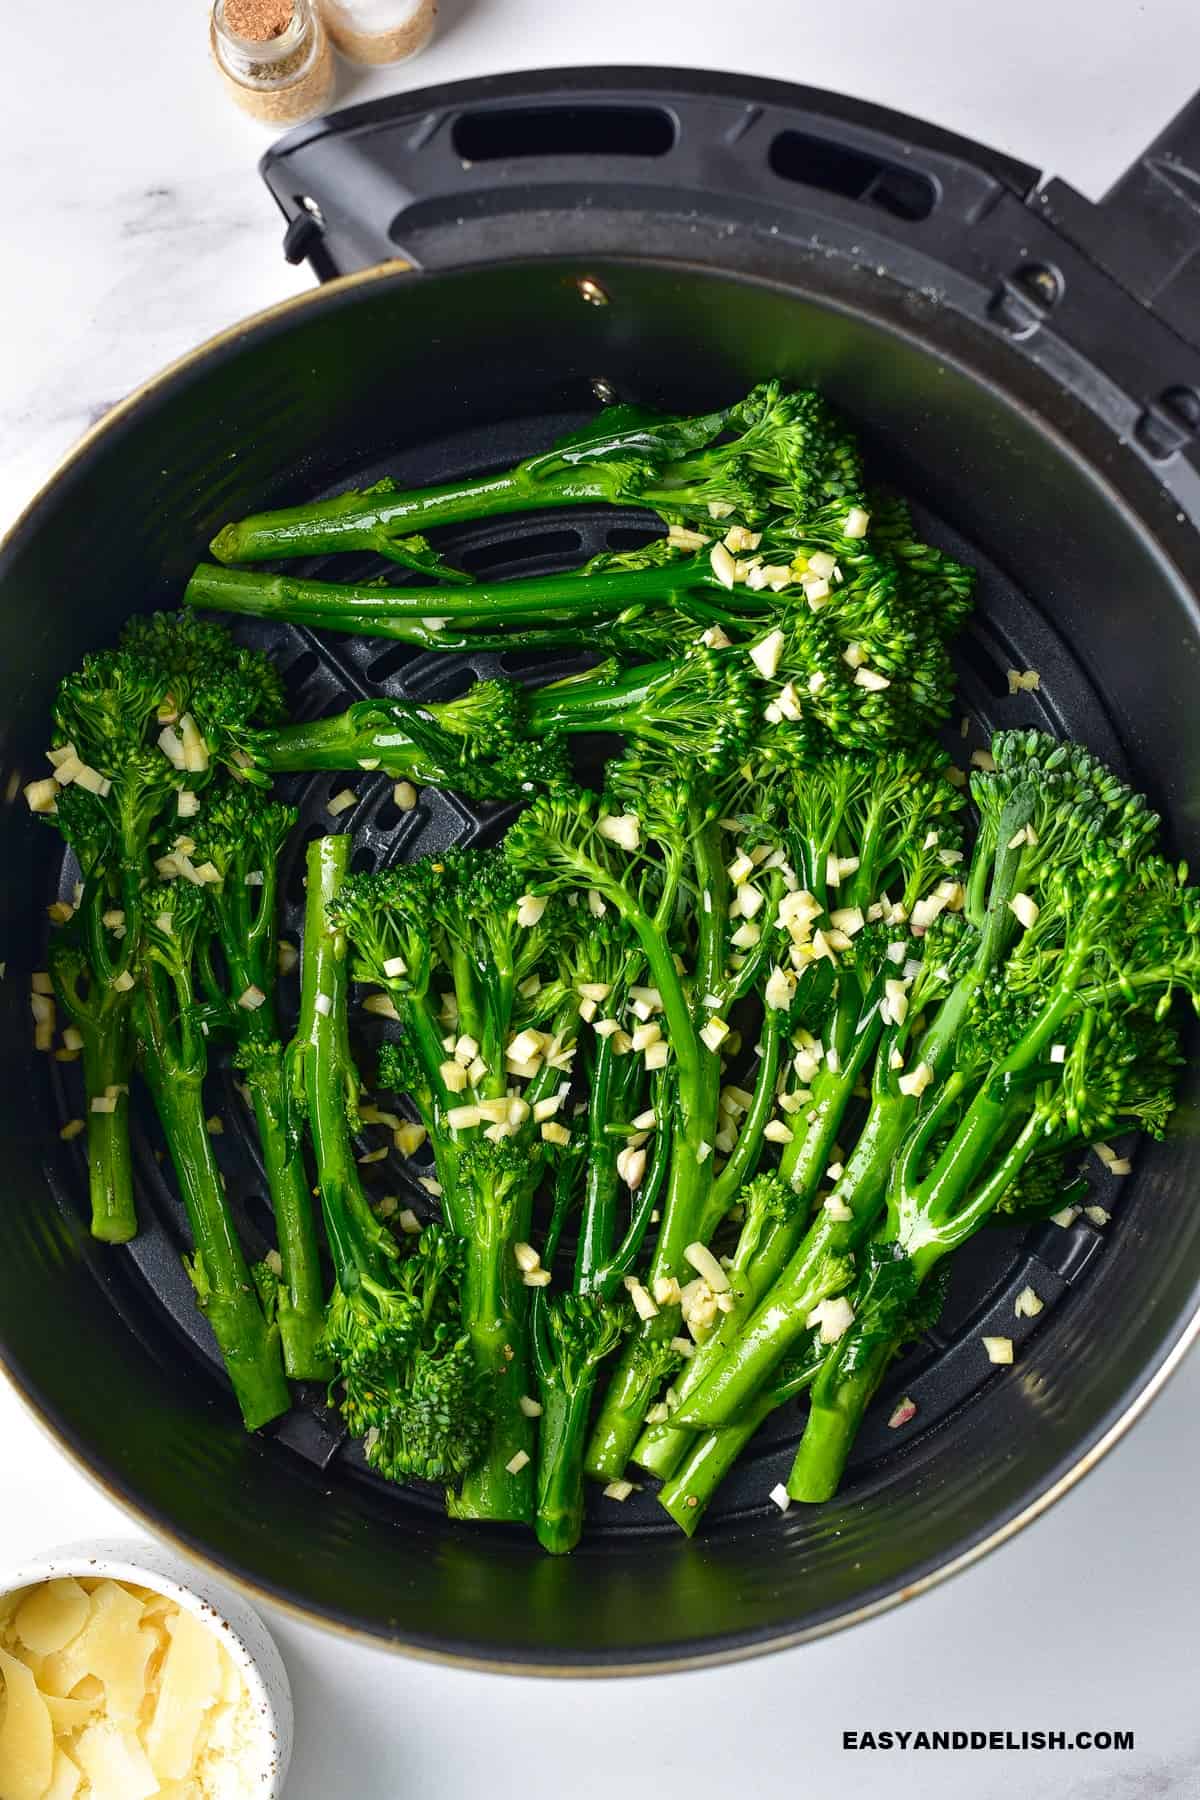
x: 145, y: 1281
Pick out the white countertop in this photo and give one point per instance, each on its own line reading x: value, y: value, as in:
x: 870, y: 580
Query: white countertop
x: 134, y: 225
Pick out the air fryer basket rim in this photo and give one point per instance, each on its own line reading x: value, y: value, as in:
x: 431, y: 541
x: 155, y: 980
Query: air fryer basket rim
x: 1140, y: 1388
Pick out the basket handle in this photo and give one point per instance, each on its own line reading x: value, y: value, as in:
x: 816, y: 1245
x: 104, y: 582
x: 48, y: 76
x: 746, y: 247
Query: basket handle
x: 465, y: 173
x: 1146, y: 229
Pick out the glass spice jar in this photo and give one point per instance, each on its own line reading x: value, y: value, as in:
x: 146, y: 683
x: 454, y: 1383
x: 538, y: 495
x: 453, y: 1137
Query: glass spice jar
x: 379, y: 31
x: 274, y: 56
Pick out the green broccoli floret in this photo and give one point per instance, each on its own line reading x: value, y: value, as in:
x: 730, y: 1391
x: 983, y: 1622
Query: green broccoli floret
x: 137, y: 731
x: 478, y: 744
x: 412, y: 1391
x: 465, y: 957
x: 573, y: 1335
x: 1058, y: 896
x: 1066, y: 1037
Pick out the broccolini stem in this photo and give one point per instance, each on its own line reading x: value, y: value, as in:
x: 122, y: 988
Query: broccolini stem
x: 802, y: 1164
x: 249, y: 1345
x: 628, y: 1395
x: 601, y: 1185
x: 108, y: 1054
x: 711, y: 1454
x: 339, y: 743
x: 706, y: 1458
x: 833, y: 1422
x: 608, y: 1279
x: 562, y: 1432
x: 625, y: 701
x: 324, y: 1064
x: 547, y: 603
x: 635, y: 1382
x: 364, y: 521
x: 764, y: 1336
x: 302, y: 1296
x: 495, y: 1316
x: 841, y: 1397
x: 103, y: 1016
x: 743, y: 1159
x: 689, y: 1183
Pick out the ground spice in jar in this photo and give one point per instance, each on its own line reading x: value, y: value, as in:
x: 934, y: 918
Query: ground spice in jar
x: 258, y: 20
x: 379, y: 31
x: 274, y: 56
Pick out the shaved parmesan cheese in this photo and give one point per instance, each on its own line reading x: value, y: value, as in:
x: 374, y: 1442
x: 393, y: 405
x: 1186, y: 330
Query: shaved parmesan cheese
x: 66, y: 1775
x: 189, y: 1684
x: 50, y: 1615
x: 111, y: 1648
x: 26, y: 1734
x: 115, y: 1763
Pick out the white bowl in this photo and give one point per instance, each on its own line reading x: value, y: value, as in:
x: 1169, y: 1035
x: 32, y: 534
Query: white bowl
x: 237, y: 1625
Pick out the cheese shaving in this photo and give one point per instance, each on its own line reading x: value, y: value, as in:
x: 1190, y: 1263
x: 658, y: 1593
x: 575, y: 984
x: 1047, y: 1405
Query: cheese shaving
x: 119, y: 1693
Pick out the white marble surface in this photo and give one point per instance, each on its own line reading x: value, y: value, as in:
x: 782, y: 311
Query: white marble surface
x: 134, y: 225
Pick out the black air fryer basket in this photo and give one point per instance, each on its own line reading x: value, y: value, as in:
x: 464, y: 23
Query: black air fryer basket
x: 1022, y: 364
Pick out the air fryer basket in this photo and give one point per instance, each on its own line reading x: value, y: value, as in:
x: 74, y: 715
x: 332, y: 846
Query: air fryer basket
x: 1089, y: 565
